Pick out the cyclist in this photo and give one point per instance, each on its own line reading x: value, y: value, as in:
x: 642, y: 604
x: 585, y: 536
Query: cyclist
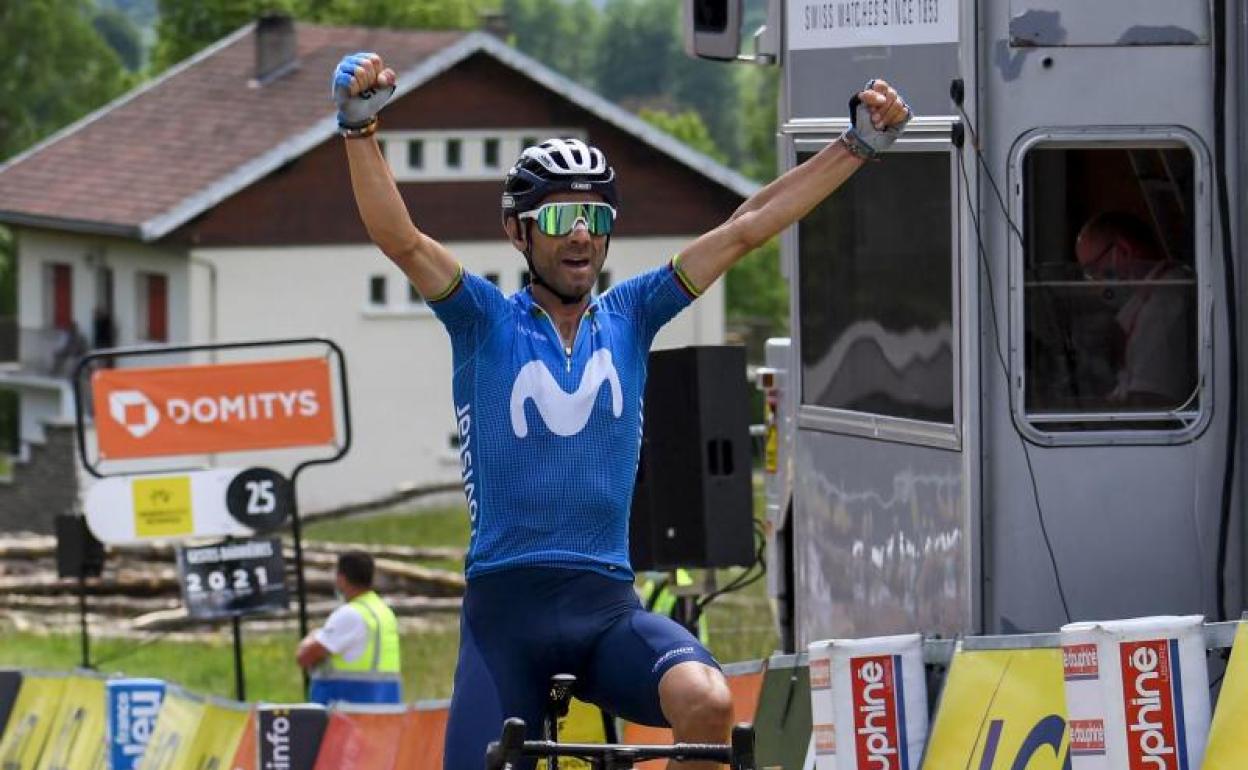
x: 547, y: 389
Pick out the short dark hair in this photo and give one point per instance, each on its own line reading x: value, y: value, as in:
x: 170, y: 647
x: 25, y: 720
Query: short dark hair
x: 357, y: 568
x: 1119, y: 224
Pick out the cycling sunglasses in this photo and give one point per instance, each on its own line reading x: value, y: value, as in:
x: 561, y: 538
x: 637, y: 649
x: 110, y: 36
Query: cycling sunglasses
x: 556, y: 219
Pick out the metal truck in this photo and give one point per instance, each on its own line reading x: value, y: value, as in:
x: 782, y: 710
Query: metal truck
x: 1012, y: 393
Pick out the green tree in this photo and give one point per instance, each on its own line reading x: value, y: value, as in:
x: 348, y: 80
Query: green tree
x: 558, y: 33
x: 635, y: 53
x: 686, y: 126
x: 758, y: 104
x: 409, y: 14
x: 121, y: 35
x: 57, y: 69
x: 186, y: 26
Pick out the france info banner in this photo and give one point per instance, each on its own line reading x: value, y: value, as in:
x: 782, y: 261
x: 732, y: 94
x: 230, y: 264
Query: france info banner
x: 133, y: 705
x: 289, y: 737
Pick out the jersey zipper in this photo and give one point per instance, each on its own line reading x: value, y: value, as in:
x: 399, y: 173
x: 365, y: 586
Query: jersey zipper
x: 567, y: 349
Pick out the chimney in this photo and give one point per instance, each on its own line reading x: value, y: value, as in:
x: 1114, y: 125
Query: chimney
x: 495, y: 23
x: 275, y: 47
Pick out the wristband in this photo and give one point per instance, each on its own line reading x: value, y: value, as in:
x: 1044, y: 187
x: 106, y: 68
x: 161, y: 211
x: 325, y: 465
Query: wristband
x: 856, y: 147
x: 368, y: 129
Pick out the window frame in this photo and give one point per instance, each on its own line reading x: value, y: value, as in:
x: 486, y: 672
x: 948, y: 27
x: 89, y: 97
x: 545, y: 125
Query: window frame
x: 923, y: 135
x: 1194, y: 422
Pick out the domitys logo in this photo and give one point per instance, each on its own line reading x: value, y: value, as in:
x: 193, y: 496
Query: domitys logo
x: 133, y: 411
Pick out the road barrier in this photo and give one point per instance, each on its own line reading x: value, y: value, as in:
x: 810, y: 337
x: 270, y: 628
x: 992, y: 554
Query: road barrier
x: 1003, y: 705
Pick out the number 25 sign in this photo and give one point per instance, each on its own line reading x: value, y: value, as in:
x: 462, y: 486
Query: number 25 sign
x: 213, y: 503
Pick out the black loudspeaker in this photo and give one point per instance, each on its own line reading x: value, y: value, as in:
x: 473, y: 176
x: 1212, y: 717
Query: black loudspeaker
x: 78, y: 553
x: 693, y: 503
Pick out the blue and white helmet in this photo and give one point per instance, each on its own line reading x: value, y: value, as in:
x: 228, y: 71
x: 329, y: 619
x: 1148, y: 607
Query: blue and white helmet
x: 557, y: 165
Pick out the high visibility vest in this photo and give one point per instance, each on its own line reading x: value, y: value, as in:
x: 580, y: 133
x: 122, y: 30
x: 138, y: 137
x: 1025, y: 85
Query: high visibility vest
x: 659, y: 598
x: 380, y: 659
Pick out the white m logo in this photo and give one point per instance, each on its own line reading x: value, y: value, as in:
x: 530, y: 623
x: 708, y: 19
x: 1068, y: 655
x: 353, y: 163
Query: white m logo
x: 133, y: 411
x: 564, y: 413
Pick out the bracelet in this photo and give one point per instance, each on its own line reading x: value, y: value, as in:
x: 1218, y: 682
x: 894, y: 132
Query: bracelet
x: 368, y: 129
x: 856, y: 147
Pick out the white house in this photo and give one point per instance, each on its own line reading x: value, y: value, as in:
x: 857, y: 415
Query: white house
x: 213, y: 204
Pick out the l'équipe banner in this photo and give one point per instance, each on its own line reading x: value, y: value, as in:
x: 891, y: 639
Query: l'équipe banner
x: 178, y: 410
x: 1228, y: 740
x: 76, y: 735
x: 37, y: 704
x: 361, y: 738
x: 1001, y: 710
x: 133, y: 706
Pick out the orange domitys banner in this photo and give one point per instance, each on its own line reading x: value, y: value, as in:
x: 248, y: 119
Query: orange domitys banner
x: 420, y: 746
x: 361, y: 737
x: 179, y: 410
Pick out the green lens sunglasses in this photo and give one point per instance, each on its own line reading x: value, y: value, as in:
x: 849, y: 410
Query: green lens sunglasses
x: 556, y: 219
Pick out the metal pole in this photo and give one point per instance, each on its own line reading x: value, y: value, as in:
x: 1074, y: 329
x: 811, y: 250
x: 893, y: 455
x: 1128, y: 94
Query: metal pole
x: 300, y: 586
x: 240, y: 679
x: 82, y: 616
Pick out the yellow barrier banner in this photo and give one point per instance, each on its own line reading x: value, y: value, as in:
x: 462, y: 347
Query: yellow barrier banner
x: 30, y: 722
x: 173, y: 738
x: 1228, y: 740
x: 76, y: 736
x: 220, y: 730
x: 1001, y: 710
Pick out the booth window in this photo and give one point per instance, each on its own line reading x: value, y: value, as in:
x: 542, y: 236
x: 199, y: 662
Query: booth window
x: 1109, y: 281
x: 876, y: 292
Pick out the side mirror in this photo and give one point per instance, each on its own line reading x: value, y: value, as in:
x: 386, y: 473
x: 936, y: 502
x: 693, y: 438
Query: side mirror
x: 712, y: 28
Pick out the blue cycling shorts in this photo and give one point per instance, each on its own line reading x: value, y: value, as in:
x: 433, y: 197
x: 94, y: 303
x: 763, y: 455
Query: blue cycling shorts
x: 519, y: 627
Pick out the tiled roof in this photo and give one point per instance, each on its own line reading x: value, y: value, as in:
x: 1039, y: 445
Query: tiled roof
x: 159, y: 156
x: 145, y: 155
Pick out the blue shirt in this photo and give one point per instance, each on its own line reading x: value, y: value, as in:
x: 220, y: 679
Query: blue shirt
x: 549, y: 438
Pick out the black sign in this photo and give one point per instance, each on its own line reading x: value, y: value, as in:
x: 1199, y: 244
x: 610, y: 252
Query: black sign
x: 234, y: 578
x: 289, y: 737
x: 259, y: 499
x: 10, y: 683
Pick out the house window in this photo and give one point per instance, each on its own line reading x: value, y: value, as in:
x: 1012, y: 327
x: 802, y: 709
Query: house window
x: 528, y: 141
x: 524, y: 278
x: 58, y: 295
x: 492, y: 278
x: 454, y: 153
x: 490, y: 152
x: 152, y: 306
x: 1110, y: 287
x: 377, y: 290
x: 413, y: 295
x: 876, y: 300
x: 604, y: 281
x: 416, y: 154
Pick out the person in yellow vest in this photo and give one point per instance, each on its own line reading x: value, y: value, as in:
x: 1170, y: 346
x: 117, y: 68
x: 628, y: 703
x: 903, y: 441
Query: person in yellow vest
x: 660, y: 594
x: 355, y: 656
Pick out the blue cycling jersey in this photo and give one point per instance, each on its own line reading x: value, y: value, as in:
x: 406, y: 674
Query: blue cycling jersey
x: 549, y: 437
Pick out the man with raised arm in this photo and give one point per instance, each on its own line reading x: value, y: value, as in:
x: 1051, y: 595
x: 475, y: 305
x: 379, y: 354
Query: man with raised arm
x: 548, y: 390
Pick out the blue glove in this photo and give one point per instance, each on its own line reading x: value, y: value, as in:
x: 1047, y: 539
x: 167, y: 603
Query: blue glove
x: 863, y: 138
x: 355, y: 112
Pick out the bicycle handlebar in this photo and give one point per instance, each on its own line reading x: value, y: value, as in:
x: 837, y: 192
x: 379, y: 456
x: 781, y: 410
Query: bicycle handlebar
x: 506, y: 753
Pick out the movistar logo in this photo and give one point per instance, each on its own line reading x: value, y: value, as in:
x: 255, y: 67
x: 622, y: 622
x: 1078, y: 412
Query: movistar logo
x: 565, y: 414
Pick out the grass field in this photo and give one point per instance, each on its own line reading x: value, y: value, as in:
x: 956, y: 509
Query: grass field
x: 740, y: 625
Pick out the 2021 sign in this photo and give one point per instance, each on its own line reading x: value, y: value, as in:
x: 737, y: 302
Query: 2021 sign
x: 236, y: 578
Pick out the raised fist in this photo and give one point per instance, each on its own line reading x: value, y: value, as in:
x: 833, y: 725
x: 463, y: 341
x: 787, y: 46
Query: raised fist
x: 361, y: 84
x: 877, y: 117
